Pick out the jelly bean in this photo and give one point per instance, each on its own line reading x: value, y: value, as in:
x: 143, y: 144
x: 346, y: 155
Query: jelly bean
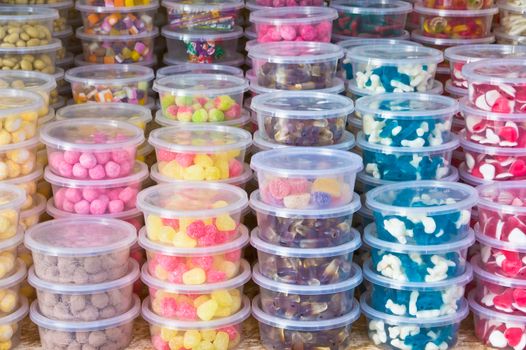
x: 214, y: 16
x: 458, y: 4
x: 376, y: 18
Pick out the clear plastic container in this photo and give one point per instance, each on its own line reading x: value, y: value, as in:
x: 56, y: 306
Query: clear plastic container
x: 19, y: 116
x: 12, y: 199
x: 304, y: 23
x: 18, y: 159
x: 389, y: 331
x: 306, y: 178
x: 115, y: 333
x: 346, y: 143
x: 254, y: 5
x: 305, y: 266
x: 278, y: 333
x: 194, y: 266
x: 91, y: 149
x: 201, y: 98
x: 226, y: 333
x: 455, y: 24
x: 80, y: 62
x: 454, y: 91
x: 302, y: 118
x: 417, y: 263
x: 117, y: 49
x: 433, y: 213
x: 133, y: 114
x: 36, y: 22
x: 374, y: 67
x: 512, y: 19
x: 469, y: 179
x: 307, y: 303
x: 337, y: 86
x: 87, y: 303
x: 458, y: 56
x: 370, y: 18
x: 214, y: 15
x: 241, y: 122
x: 27, y: 183
x: 131, y: 20
x: 33, y: 58
x: 110, y: 83
x: 419, y: 300
x: 188, y: 215
x: 201, y: 46
x: 497, y: 85
x: 458, y: 5
x: 237, y: 60
x: 32, y: 216
x: 296, y: 228
x: 117, y: 4
x: 12, y: 325
x: 503, y: 38
x: 443, y: 43
x: 405, y: 163
x: 10, y: 295
x: 295, y: 66
x: 81, y: 250
x: 407, y: 120
x: 196, y: 302
x: 199, y: 68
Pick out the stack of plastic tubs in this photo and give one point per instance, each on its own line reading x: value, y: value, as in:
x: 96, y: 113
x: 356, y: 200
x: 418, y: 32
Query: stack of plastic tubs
x: 511, y: 18
x: 195, y: 273
x: 418, y: 269
x: 203, y: 32
x: 305, y: 245
x: 118, y: 34
x: 84, y: 280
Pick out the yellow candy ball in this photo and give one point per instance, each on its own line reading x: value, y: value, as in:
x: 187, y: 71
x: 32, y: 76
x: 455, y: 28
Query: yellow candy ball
x: 192, y: 338
x: 194, y: 276
x: 207, y: 310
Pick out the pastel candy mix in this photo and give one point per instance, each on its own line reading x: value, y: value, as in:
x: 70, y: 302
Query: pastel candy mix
x: 118, y: 23
x: 286, y: 3
x: 134, y: 94
x: 225, y: 338
x: 18, y: 159
x: 211, y: 15
x: 459, y: 4
x: 117, y: 3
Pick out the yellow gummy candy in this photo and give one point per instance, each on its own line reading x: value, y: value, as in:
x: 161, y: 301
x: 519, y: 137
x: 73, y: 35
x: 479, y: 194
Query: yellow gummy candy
x: 221, y: 341
x: 236, y: 304
x: 192, y: 338
x: 6, y: 345
x: 233, y: 153
x: 229, y: 268
x: 161, y: 273
x: 166, y: 234
x: 223, y: 311
x: 8, y: 303
x: 182, y: 240
x: 330, y: 186
x: 208, y: 334
x: 173, y: 170
x: 207, y: 310
x: 223, y: 168
x: 154, y: 225
x: 212, y: 174
x: 194, y: 276
x: 222, y: 297
x: 203, y: 160
x: 225, y: 223
x: 176, y: 343
x: 167, y: 334
x: 6, y: 332
x: 204, y: 345
x: 219, y: 204
x: 201, y: 300
x: 194, y: 173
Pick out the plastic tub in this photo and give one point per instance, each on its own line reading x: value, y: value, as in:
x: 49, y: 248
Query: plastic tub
x: 130, y: 20
x: 375, y: 66
x: 200, y: 98
x: 417, y: 263
x: 117, y: 4
x: 12, y: 325
x: 11, y: 298
x: 419, y: 300
x: 458, y: 56
x: 80, y: 62
x: 226, y: 333
x: 110, y: 83
x: 27, y: 183
x: 294, y: 24
x: 199, y: 68
x: 305, y: 266
x: 455, y: 24
x: 194, y: 266
x: 30, y: 217
x: 306, y: 178
x: 81, y: 250
x: 433, y: 213
x: 262, y: 144
x: 197, y: 302
x: 295, y: 66
x: 307, y: 303
x: 188, y: 215
x: 405, y: 163
x: 407, y: 120
x: 85, y: 303
x: 512, y: 19
x: 337, y: 87
x: 458, y: 5
x: 33, y: 58
x: 254, y: 5
x: 503, y: 38
x: 454, y: 91
x: 443, y: 43
x: 241, y: 122
x: 91, y: 149
x: 497, y: 85
x: 19, y: 114
x: 201, y: 46
x: 370, y: 18
x: 12, y: 199
x: 389, y: 331
x: 278, y: 333
x: 115, y: 333
x: 36, y: 21
x: 302, y: 118
x: 214, y: 15
x: 237, y: 60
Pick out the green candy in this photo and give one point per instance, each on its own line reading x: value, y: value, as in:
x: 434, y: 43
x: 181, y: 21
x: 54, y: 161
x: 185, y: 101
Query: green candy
x: 215, y: 115
x: 200, y: 116
x: 167, y: 101
x: 183, y: 100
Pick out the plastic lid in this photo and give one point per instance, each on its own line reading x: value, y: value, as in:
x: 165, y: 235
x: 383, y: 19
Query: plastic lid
x: 343, y: 249
x: 352, y: 282
x: 84, y: 6
x: 490, y: 150
x: 495, y: 317
x: 297, y: 52
x: 194, y: 6
x: 302, y: 105
x: 167, y: 287
x: 372, y: 7
x: 500, y: 197
x: 345, y: 143
x: 473, y: 53
x: 337, y: 87
x: 114, y: 74
x: 199, y: 68
x: 124, y: 112
x: 56, y: 213
x: 511, y: 71
x: 238, y: 122
x: 64, y: 34
x: 302, y: 325
x: 235, y: 59
x: 91, y: 134
x: 468, y: 178
x: 373, y: 277
x: 26, y: 14
x: 31, y: 177
x: 497, y: 243
x: 468, y: 110
x: 106, y: 39
x: 395, y: 55
x: 319, y: 214
x: 293, y: 15
x: 436, y: 89
x: 371, y: 239
x: 38, y: 208
x: 407, y: 106
x: 418, y: 36
x: 404, y: 35
x: 19, y: 314
x: 439, y: 321
x: 86, y: 236
x: 359, y: 41
x: 79, y: 61
x: 436, y: 197
x: 194, y: 34
x: 33, y: 81
x: 53, y: 45
x: 83, y: 289
x: 59, y: 5
x: 79, y: 326
x: 155, y: 320
x: 451, y: 145
x: 47, y: 118
x: 15, y: 101
x: 455, y: 90
x: 366, y: 179
x: 11, y: 197
x: 492, y: 278
x: 201, y: 84
x: 422, y: 10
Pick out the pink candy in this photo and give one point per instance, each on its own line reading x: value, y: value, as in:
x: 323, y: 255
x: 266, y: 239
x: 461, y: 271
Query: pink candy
x: 303, y: 32
x: 502, y: 98
x: 499, y: 333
